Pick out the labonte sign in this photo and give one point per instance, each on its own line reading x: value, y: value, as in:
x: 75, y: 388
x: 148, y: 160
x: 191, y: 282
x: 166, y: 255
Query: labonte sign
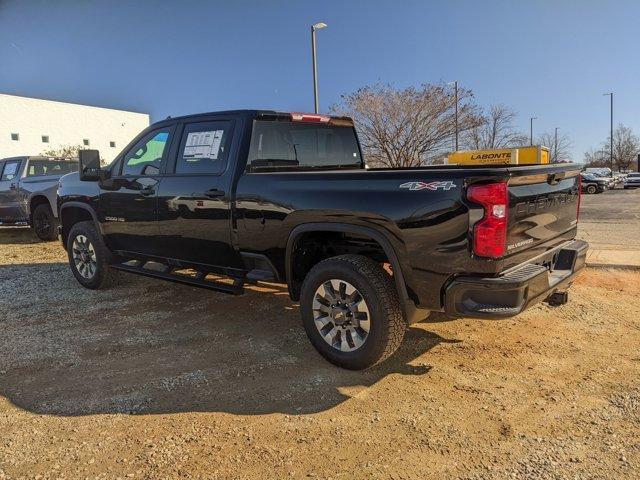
x: 501, y: 156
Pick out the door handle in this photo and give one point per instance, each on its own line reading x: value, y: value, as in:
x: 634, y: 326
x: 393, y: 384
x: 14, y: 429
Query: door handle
x: 214, y: 193
x: 147, y: 191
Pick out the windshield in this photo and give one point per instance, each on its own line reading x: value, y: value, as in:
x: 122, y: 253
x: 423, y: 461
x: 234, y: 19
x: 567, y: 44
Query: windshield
x: 285, y: 145
x: 590, y: 176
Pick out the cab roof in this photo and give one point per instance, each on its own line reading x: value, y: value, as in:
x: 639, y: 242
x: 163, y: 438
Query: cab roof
x: 252, y: 114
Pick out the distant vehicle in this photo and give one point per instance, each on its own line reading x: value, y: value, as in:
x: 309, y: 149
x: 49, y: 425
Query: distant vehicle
x: 603, y: 171
x: 632, y: 180
x: 611, y: 179
x: 28, y: 188
x: 281, y: 197
x: 593, y: 184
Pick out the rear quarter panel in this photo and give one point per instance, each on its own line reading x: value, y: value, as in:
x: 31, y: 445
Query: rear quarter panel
x: 40, y: 185
x: 428, y: 229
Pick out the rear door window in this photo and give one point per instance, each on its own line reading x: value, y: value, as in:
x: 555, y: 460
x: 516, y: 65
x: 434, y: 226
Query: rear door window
x: 50, y: 167
x: 204, y: 148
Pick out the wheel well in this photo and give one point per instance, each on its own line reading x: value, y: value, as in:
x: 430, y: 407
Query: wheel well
x: 34, y: 203
x: 311, y: 248
x: 72, y: 215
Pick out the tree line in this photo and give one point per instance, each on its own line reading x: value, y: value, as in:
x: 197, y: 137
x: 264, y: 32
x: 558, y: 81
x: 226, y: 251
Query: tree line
x: 416, y: 125
x: 626, y: 148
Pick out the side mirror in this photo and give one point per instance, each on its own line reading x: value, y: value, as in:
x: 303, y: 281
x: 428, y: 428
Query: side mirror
x: 89, y: 165
x: 150, y: 170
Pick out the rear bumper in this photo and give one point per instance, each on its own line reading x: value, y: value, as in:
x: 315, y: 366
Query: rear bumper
x: 519, y: 287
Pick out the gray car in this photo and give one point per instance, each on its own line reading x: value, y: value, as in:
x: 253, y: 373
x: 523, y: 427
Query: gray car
x: 28, y: 192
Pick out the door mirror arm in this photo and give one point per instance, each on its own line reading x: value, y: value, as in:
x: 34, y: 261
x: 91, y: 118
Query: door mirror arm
x: 104, y: 174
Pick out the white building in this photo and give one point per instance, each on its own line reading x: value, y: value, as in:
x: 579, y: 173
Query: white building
x: 30, y: 126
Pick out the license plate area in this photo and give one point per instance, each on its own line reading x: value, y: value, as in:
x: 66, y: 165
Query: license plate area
x: 549, y: 262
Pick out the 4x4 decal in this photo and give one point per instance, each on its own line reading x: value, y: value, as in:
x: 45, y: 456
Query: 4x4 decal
x: 446, y: 185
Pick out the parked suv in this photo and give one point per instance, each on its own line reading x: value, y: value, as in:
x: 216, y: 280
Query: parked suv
x: 220, y: 199
x: 592, y: 183
x: 28, y: 188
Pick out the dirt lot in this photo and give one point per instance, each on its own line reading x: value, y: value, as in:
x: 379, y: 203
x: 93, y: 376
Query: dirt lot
x: 155, y: 380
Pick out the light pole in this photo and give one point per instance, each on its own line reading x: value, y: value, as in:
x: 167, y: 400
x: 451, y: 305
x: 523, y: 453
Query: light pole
x: 555, y: 147
x: 455, y: 89
x: 317, y: 26
x: 611, y: 131
x: 531, y: 128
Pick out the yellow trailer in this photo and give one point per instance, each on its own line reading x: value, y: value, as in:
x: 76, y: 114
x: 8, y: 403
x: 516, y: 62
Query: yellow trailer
x: 500, y: 156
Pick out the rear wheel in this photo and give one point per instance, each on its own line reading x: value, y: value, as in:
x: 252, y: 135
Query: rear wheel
x: 44, y: 224
x: 89, y: 258
x: 592, y: 189
x: 351, y: 311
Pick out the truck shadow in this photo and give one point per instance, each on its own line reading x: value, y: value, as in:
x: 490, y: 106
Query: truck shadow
x: 147, y: 346
x: 13, y: 235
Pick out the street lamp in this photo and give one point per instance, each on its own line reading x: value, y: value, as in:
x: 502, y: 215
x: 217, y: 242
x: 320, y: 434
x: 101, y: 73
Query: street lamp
x: 611, y: 137
x: 455, y: 89
x: 317, y: 26
x: 531, y: 128
x: 555, y: 147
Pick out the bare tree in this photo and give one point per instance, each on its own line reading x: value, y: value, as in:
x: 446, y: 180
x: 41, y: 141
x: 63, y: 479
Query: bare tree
x: 497, y: 130
x: 560, y: 152
x: 626, y: 146
x: 410, y: 127
x: 596, y: 158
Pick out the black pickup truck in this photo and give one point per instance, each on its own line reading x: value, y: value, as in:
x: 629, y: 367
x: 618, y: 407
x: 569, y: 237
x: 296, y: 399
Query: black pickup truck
x: 221, y: 199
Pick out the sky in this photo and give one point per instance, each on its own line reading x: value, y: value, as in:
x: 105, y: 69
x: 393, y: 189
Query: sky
x: 547, y: 59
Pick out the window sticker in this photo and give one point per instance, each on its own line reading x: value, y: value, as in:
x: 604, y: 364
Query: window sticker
x: 203, y: 145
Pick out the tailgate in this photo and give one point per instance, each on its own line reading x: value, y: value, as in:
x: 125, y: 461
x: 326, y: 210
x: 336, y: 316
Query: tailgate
x: 542, y: 205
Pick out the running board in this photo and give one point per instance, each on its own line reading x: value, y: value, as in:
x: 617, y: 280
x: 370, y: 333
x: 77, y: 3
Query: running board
x: 167, y: 272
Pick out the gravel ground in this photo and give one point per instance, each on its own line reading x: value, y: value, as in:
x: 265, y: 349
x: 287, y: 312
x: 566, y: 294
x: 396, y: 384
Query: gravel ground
x: 154, y: 380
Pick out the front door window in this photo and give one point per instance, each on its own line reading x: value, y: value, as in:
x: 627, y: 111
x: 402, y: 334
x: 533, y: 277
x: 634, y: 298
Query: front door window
x: 147, y: 156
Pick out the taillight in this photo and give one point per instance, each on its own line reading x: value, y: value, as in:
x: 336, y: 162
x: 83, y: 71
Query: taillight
x: 490, y: 233
x: 310, y: 117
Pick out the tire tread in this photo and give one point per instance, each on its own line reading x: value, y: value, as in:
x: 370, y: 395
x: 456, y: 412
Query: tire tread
x: 106, y: 276
x: 384, y: 287
x: 52, y: 220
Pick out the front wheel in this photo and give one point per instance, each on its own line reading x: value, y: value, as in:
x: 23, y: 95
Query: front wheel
x: 351, y: 311
x: 592, y: 189
x: 89, y: 258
